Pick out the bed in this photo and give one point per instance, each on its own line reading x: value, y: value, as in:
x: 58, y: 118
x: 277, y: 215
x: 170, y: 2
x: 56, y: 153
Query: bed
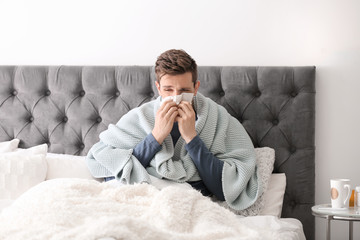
x: 62, y: 110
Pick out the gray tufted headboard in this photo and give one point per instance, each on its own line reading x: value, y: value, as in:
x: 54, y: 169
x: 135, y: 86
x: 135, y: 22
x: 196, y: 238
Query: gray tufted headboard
x: 68, y: 106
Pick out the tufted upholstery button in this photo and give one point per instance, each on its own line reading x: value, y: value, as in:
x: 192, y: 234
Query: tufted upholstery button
x: 117, y: 93
x: 81, y: 146
x: 293, y: 94
x: 14, y: 93
x: 99, y: 119
x: 293, y: 149
x: 65, y: 119
x: 47, y: 93
x: 257, y: 94
x: 222, y: 93
x: 31, y: 119
x: 275, y: 121
x: 82, y: 93
x: 292, y: 203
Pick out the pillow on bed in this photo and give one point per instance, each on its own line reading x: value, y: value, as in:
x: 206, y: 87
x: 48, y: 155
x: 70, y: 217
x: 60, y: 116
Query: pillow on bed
x: 67, y: 166
x: 21, y: 170
x: 274, y: 196
x: 9, y: 146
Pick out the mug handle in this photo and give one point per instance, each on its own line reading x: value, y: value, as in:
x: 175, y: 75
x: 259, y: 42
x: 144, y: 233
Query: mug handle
x: 348, y: 193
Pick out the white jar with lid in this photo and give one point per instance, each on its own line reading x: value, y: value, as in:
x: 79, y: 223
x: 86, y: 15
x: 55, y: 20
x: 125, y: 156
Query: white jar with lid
x: 357, y: 196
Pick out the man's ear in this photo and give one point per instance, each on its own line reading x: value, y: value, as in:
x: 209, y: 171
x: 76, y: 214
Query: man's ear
x: 158, y: 86
x: 197, y: 85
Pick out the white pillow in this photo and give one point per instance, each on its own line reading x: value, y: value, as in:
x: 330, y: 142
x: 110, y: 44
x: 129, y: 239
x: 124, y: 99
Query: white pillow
x: 274, y: 195
x: 21, y: 170
x: 67, y: 166
x: 9, y: 146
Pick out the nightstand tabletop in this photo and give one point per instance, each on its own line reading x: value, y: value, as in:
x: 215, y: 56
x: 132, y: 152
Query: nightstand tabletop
x: 350, y: 214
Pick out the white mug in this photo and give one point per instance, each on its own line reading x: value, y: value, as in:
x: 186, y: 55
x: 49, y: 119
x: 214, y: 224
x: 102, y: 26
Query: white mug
x: 340, y: 192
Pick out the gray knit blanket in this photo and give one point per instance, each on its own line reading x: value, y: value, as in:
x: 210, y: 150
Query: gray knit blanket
x: 222, y: 134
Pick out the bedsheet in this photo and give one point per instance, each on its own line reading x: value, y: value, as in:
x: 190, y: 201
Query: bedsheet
x: 286, y: 228
x: 87, y: 209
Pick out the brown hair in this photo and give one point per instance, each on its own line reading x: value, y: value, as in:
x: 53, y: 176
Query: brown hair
x: 174, y: 62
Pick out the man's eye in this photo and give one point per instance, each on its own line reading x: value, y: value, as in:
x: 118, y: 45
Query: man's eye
x: 168, y: 90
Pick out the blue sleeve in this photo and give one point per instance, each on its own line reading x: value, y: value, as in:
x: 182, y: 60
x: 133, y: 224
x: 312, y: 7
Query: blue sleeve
x: 145, y: 150
x: 209, y: 166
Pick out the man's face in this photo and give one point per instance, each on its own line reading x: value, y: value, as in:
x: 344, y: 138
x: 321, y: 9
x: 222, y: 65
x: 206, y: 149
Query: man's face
x: 172, y: 85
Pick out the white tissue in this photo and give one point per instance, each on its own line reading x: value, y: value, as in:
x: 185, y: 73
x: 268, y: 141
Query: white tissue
x: 187, y: 97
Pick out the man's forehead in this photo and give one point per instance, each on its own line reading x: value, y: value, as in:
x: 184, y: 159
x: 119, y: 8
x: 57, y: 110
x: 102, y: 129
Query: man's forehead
x: 183, y: 76
x: 175, y: 85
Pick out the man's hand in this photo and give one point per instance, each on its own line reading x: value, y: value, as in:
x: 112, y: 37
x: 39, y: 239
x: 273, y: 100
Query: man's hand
x: 164, y: 120
x: 186, y: 120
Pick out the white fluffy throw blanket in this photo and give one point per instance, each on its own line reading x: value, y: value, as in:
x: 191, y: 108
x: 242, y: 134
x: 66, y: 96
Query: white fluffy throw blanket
x: 86, y: 209
x: 222, y: 134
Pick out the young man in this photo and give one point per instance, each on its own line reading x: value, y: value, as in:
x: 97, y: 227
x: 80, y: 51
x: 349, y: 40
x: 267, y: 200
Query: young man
x: 195, y: 141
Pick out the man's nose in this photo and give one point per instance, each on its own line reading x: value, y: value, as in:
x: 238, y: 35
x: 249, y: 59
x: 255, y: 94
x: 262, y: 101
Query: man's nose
x: 177, y: 92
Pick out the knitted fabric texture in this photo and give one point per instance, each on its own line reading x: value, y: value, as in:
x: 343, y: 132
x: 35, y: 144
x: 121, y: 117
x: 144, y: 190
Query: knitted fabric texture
x: 222, y: 134
x: 265, y: 158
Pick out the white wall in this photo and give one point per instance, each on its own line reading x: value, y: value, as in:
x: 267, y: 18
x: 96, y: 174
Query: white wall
x: 324, y: 33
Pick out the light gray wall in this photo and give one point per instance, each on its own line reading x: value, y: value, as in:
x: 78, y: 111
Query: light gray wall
x: 325, y: 33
